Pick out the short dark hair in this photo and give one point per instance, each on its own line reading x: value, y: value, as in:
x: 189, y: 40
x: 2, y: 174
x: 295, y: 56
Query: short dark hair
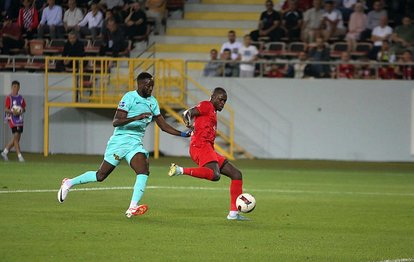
x: 226, y: 50
x: 15, y: 82
x: 219, y: 90
x: 144, y: 75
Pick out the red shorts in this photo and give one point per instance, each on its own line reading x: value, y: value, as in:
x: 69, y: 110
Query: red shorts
x: 203, y: 154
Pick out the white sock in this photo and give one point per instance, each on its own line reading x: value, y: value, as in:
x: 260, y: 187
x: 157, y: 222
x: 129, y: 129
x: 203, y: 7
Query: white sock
x: 180, y: 170
x: 6, y: 151
x: 233, y: 213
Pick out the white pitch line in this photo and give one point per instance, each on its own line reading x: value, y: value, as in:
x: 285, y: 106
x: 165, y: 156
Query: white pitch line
x: 398, y: 260
x: 282, y: 191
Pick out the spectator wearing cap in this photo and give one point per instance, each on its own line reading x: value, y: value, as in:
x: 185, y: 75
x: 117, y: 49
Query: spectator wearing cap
x: 51, y: 21
x: 136, y: 21
x: 91, y: 24
x: 73, y: 15
x: 28, y: 19
x: 11, y: 36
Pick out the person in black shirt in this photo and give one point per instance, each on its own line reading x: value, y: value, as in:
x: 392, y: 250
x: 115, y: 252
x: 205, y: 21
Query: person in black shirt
x: 73, y: 48
x: 113, y: 38
x: 269, y: 25
x: 136, y: 22
x: 292, y: 21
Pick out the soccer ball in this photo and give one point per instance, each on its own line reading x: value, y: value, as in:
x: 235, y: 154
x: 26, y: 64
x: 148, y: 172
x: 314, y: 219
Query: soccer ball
x: 16, y: 109
x: 245, y: 203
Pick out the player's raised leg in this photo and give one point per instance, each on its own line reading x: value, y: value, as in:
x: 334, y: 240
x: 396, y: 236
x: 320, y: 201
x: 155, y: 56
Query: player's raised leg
x: 90, y: 176
x: 139, y: 163
x: 199, y: 172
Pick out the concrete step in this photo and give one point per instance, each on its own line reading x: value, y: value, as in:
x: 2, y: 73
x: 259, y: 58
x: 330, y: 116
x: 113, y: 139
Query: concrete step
x: 196, y: 32
x: 212, y: 23
x: 223, y: 8
x: 243, y: 16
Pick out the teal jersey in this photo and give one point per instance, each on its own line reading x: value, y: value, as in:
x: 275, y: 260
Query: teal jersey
x: 134, y: 105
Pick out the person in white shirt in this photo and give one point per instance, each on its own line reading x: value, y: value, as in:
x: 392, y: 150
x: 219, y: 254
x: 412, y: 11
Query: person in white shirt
x: 232, y: 44
x: 247, y: 53
x: 72, y: 16
x: 332, y: 23
x: 93, y: 19
x: 379, y: 34
x: 51, y: 21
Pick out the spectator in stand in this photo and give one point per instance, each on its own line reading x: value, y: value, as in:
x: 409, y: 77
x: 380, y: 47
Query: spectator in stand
x: 312, y: 19
x: 346, y: 7
x: 233, y: 45
x: 357, y: 24
x: 300, y: 66
x: 345, y: 69
x: 136, y: 22
x: 276, y: 71
x: 72, y: 17
x: 365, y: 71
x: 213, y: 67
x: 332, y: 24
x: 303, y: 5
x: 248, y: 54
x: 11, y: 36
x: 114, y: 39
x: 51, y: 21
x: 319, y: 53
x: 373, y: 19
x: 403, y: 36
x: 91, y: 24
x: 156, y: 10
x: 379, y: 34
x: 10, y: 8
x: 385, y: 56
x: 406, y: 69
x: 28, y: 19
x: 231, y: 69
x: 292, y: 20
x: 73, y: 48
x: 269, y: 25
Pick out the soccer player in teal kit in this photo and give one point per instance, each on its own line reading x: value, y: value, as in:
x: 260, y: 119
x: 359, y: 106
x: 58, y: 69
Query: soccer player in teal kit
x: 134, y: 113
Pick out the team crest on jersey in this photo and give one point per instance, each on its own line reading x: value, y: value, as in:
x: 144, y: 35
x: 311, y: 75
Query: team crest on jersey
x: 121, y: 104
x: 117, y: 157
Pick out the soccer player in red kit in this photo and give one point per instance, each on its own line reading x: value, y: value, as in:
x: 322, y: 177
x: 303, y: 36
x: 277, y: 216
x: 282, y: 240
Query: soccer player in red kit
x: 203, y: 119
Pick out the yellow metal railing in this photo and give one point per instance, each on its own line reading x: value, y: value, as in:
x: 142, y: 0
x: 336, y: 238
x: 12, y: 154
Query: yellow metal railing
x: 100, y: 82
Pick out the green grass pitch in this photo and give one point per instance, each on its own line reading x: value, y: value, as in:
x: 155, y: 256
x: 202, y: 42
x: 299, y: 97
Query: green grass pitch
x: 306, y: 211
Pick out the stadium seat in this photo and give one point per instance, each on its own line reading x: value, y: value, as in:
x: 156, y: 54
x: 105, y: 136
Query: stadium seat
x: 94, y: 47
x: 273, y: 49
x: 337, y: 49
x: 55, y: 46
x: 294, y: 48
x: 17, y: 63
x: 35, y: 63
x: 259, y: 45
x: 362, y: 49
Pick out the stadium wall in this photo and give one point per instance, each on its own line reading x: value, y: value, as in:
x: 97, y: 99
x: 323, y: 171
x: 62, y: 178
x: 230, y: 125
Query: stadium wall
x: 364, y: 120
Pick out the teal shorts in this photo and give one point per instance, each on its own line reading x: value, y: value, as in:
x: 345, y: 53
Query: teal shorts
x: 120, y: 147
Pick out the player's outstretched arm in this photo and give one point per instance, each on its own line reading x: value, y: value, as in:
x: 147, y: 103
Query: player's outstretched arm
x: 188, y: 116
x: 120, y: 118
x: 169, y: 129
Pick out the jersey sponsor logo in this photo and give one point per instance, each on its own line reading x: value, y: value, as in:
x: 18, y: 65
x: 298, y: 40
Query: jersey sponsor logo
x: 117, y: 157
x: 121, y: 104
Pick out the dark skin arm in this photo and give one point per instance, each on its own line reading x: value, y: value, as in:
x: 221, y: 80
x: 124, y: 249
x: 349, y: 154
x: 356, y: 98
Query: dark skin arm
x: 120, y: 118
x: 165, y: 126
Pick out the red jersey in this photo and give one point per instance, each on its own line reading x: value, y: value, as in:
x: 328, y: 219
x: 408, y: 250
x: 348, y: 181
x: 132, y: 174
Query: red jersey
x: 205, y: 124
x: 346, y: 71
